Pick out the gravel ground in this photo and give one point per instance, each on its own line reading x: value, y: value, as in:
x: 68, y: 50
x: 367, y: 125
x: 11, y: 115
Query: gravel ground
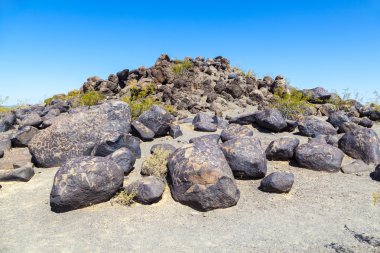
x: 322, y: 213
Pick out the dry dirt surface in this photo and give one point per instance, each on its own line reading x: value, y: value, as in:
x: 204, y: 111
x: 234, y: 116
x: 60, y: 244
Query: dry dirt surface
x: 322, y: 213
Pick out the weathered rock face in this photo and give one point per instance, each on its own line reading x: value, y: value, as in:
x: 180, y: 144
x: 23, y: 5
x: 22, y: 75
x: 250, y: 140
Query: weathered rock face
x: 24, y: 174
x: 109, y: 143
x: 245, y: 157
x: 147, y: 190
x: 235, y: 131
x: 282, y: 149
x: 318, y: 156
x: 125, y: 158
x: 361, y: 144
x: 348, y: 127
x: 175, y: 131
x: 365, y: 122
x: 277, y: 182
x: 315, y: 127
x: 164, y: 146
x: 85, y: 181
x: 271, y: 119
x: 156, y: 119
x: 15, y: 158
x: 201, y: 178
x: 244, y: 119
x: 205, y: 127
x: 356, y: 166
x: 77, y: 134
x: 338, y: 118
x: 32, y: 119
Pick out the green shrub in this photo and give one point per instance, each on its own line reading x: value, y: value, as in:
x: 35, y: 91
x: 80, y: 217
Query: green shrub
x: 293, y: 105
x: 90, y: 98
x: 180, y: 67
x: 156, y: 164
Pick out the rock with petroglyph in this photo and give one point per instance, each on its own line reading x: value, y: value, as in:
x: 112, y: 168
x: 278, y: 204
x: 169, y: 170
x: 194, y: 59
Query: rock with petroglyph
x: 246, y: 157
x: 235, y: 131
x: 201, y: 177
x: 282, y: 149
x: 319, y: 156
x: 85, y: 181
x: 77, y: 134
x: 361, y: 144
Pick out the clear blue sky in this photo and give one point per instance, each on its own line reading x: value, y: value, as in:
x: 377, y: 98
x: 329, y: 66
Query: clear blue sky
x: 49, y: 47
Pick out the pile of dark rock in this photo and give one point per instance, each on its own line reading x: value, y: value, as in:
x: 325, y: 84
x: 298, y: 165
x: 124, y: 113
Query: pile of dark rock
x: 95, y: 147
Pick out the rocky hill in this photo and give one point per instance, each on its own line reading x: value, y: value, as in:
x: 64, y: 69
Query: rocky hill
x: 99, y: 136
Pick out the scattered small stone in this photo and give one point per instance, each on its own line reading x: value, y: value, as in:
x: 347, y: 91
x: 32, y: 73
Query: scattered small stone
x: 175, y: 131
x: 147, y: 190
x: 277, y: 182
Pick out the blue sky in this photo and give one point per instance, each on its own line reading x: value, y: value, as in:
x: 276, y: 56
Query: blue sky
x: 49, y: 47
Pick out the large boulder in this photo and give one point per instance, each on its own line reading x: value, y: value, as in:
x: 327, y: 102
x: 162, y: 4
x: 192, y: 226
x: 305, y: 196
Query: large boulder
x: 77, y: 134
x: 361, y: 144
x: 143, y: 132
x: 319, y: 156
x: 277, y: 182
x: 85, y: 181
x: 245, y: 157
x: 156, y: 119
x: 270, y: 119
x: 338, y: 118
x: 315, y: 127
x: 147, y: 190
x: 235, y: 131
x: 201, y: 178
x: 244, y: 119
x: 282, y: 149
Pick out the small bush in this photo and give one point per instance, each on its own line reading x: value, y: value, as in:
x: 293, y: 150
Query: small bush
x: 293, y: 105
x: 124, y: 199
x: 156, y: 164
x: 180, y: 67
x: 90, y: 98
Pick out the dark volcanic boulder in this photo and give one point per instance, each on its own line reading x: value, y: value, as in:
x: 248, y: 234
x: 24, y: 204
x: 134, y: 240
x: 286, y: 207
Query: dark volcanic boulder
x: 142, y: 131
x: 125, y: 158
x: 85, y: 181
x: 376, y: 174
x: 317, y: 95
x: 319, y: 156
x: 147, y: 190
x: 234, y: 89
x: 201, y: 178
x: 315, y: 127
x: 206, y: 139
x: 271, y: 119
x: 175, y: 131
x: 7, y: 121
x: 338, y: 118
x: 203, y: 117
x: 235, y: 131
x: 205, y: 127
x: 348, y: 127
x: 291, y: 125
x: 156, y: 119
x: 282, y: 149
x: 245, y: 157
x: 277, y: 182
x: 362, y: 144
x: 1, y: 153
x: 23, y: 136
x: 77, y: 134
x: 366, y: 122
x: 32, y: 119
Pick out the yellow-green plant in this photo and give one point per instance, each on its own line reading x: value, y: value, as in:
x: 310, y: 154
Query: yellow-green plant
x: 180, y: 67
x: 156, y: 164
x: 292, y: 105
x: 90, y: 98
x: 123, y: 198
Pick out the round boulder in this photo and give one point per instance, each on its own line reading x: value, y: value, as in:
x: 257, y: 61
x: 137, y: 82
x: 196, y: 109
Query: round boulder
x: 85, y: 181
x: 282, y: 149
x: 147, y: 190
x: 277, y: 182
